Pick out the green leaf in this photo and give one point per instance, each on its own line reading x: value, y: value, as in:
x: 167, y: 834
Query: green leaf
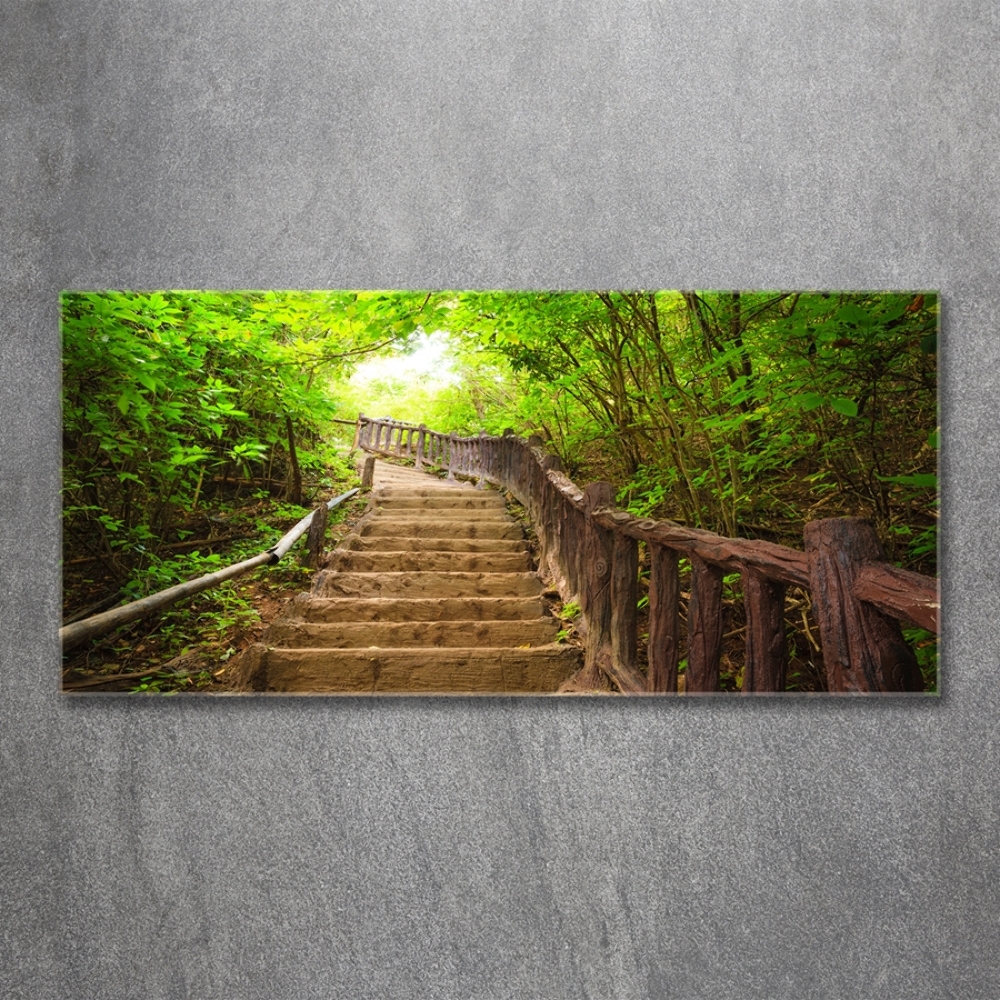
x: 810, y: 400
x: 854, y: 316
x: 123, y: 403
x: 934, y: 438
x: 928, y: 344
x: 845, y: 406
x: 923, y: 480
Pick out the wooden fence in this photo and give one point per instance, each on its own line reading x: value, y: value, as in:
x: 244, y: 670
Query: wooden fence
x: 590, y: 550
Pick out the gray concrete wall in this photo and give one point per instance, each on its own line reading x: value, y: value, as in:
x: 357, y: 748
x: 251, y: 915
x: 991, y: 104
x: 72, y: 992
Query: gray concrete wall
x: 218, y: 849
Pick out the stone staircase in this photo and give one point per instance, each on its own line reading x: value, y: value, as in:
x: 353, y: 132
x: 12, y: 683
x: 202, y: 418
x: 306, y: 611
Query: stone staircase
x: 433, y: 592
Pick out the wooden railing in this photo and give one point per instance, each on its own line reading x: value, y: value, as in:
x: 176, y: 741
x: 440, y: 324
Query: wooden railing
x: 590, y: 551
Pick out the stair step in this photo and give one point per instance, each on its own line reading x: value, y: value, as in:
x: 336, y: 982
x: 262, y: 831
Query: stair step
x: 411, y: 671
x: 393, y: 543
x: 447, y: 501
x: 426, y: 487
x: 422, y: 561
x: 419, y: 609
x: 411, y: 634
x: 442, y: 513
x: 438, y: 528
x: 333, y: 584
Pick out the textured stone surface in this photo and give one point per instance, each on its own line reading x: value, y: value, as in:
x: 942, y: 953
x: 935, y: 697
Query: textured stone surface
x: 297, y: 848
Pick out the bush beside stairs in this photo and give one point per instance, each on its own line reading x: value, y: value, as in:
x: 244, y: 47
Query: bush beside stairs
x: 432, y: 593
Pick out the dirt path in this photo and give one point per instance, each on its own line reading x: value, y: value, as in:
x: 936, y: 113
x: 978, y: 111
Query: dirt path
x: 433, y: 592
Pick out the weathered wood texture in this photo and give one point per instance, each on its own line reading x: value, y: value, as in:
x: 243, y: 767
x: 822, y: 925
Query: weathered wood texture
x: 863, y: 649
x: 368, y: 473
x: 596, y: 593
x: 589, y: 550
x: 704, y: 628
x: 766, y: 664
x: 316, y: 538
x: 664, y: 619
x: 624, y: 601
x: 900, y: 594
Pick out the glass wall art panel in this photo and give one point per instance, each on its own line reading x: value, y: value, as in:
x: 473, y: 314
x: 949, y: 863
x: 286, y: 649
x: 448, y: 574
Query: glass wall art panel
x: 561, y: 493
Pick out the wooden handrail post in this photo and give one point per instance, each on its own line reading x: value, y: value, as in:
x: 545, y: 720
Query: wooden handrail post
x: 369, y: 473
x: 704, y: 628
x: 664, y: 620
x: 316, y: 537
x: 452, y: 443
x: 863, y: 649
x: 610, y: 575
x: 357, y: 432
x: 547, y: 517
x: 596, y: 596
x: 481, y: 445
x: 624, y: 597
x: 766, y: 665
x: 421, y: 444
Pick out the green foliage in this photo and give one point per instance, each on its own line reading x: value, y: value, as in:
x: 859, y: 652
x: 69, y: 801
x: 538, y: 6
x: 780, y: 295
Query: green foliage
x: 925, y: 646
x: 722, y: 409
x: 167, y: 395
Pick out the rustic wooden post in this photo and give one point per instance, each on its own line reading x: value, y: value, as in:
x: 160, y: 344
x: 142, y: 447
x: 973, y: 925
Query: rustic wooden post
x: 399, y: 442
x: 317, y: 536
x: 542, y: 517
x: 596, y: 595
x: 481, y: 446
x: 863, y: 649
x: 766, y: 666
x: 624, y: 597
x: 409, y: 442
x: 368, y: 475
x: 357, y: 432
x: 421, y: 445
x: 452, y: 445
x: 704, y: 628
x: 664, y: 622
